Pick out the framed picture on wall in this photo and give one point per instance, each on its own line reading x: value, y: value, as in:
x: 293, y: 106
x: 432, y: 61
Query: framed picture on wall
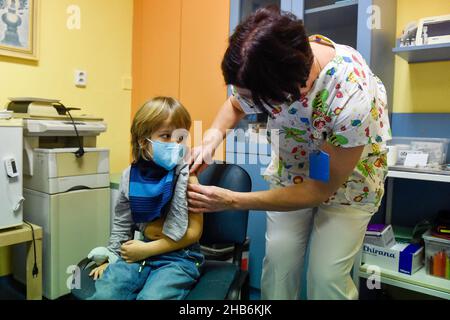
x: 18, y: 28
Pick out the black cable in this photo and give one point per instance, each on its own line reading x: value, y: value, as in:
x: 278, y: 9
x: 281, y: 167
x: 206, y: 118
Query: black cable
x: 80, y: 152
x: 35, y: 267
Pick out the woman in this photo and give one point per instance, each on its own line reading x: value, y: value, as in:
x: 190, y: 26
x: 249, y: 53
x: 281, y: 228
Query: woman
x: 327, y: 112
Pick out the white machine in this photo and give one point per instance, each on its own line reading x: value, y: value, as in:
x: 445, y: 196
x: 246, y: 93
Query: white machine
x: 433, y: 30
x: 66, y: 188
x: 11, y: 198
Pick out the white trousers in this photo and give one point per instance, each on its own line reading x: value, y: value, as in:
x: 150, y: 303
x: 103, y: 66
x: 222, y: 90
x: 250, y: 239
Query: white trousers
x: 335, y: 235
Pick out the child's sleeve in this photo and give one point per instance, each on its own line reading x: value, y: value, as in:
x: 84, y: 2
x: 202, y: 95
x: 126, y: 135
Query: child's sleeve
x: 123, y: 221
x: 177, y: 219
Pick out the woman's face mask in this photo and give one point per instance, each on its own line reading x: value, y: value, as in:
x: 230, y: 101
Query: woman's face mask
x: 167, y: 154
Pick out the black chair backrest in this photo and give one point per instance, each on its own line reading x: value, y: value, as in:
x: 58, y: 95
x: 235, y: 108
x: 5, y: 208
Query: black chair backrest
x: 225, y: 227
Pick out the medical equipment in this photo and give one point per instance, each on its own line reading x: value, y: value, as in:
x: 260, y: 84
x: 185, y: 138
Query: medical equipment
x: 380, y: 235
x: 435, y: 150
x: 66, y: 187
x: 5, y: 114
x: 433, y: 30
x: 409, y: 32
x: 11, y: 198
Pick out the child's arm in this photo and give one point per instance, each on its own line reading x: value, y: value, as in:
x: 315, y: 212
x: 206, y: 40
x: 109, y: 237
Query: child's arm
x: 122, y: 226
x: 123, y: 221
x: 133, y: 250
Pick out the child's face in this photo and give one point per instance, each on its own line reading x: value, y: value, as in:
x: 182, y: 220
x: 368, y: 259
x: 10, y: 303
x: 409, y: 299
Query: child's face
x: 167, y: 132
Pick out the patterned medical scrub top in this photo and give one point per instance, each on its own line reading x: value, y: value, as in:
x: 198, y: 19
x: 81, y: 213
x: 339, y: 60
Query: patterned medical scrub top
x: 347, y: 106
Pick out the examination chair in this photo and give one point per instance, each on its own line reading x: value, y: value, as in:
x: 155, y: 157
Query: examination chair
x: 219, y: 280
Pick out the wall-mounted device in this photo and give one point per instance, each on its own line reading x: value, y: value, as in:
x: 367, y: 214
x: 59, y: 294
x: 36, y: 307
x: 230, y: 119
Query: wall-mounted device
x: 11, y: 168
x: 11, y: 180
x: 433, y: 30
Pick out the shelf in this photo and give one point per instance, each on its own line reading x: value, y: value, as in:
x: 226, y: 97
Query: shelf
x: 328, y: 21
x: 418, y: 176
x: 424, y: 53
x: 337, y: 5
x: 419, y: 281
x: 331, y: 20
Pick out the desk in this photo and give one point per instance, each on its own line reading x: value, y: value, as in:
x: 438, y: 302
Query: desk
x: 23, y: 234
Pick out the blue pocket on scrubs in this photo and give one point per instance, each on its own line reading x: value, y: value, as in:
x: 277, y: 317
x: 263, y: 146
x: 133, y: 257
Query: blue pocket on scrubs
x: 319, y: 166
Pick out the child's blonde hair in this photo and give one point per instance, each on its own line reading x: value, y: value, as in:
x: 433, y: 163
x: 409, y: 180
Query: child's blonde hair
x: 150, y: 117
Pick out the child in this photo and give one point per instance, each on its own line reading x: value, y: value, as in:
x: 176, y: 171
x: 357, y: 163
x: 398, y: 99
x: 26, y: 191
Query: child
x: 153, y: 197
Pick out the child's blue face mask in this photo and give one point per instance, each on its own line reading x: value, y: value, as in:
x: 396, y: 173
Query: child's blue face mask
x: 167, y: 154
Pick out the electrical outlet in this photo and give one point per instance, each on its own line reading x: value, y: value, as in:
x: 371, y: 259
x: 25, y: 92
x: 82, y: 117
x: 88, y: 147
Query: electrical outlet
x: 127, y: 83
x: 80, y: 78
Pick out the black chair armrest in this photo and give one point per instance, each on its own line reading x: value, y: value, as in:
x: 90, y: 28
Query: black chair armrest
x: 87, y: 284
x: 85, y: 263
x: 240, y: 288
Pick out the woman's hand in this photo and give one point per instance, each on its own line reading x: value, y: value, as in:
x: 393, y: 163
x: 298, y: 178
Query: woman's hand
x: 209, y: 198
x: 201, y: 157
x: 98, y: 272
x: 134, y: 250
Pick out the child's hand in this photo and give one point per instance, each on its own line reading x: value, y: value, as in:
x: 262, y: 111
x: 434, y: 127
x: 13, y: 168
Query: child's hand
x: 134, y: 250
x: 98, y: 272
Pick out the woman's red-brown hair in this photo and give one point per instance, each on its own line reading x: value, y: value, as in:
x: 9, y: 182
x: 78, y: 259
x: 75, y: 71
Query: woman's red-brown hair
x: 270, y: 55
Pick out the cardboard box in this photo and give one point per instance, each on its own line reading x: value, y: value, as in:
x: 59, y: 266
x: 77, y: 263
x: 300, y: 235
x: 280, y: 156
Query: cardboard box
x: 380, y: 235
x: 402, y: 257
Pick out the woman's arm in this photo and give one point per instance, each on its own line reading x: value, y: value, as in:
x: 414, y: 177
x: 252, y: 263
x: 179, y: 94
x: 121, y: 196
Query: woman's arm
x: 308, y: 194
x: 134, y: 250
x: 227, y: 118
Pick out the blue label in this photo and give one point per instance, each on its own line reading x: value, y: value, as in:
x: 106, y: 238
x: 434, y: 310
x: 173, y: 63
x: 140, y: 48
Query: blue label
x: 406, y: 258
x: 319, y: 166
